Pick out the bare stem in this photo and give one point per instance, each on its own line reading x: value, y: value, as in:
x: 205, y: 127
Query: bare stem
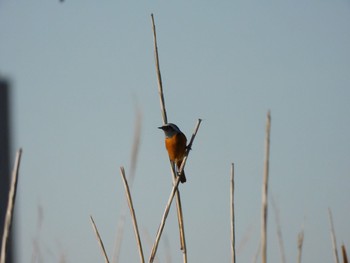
x: 165, y: 121
x: 334, y: 241
x: 233, y: 251
x: 162, y: 223
x: 10, y: 206
x: 264, y: 191
x: 99, y: 240
x: 189, y: 146
x: 132, y: 212
x: 133, y: 162
x: 159, y: 77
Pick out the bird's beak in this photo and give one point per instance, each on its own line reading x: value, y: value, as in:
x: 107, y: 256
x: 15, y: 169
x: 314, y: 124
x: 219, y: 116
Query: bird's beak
x: 161, y: 128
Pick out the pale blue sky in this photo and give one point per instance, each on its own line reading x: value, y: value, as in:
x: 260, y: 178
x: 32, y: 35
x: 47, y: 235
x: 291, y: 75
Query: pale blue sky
x: 80, y: 69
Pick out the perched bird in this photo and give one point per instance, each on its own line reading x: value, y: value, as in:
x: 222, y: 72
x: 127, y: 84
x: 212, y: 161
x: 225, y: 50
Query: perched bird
x: 175, y: 143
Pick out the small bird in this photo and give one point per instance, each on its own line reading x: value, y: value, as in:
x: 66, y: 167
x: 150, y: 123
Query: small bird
x: 175, y: 143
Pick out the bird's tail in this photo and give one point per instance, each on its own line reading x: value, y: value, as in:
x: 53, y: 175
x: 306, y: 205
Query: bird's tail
x: 183, y: 177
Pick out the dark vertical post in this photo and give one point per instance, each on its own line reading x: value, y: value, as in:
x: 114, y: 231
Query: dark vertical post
x: 4, y: 158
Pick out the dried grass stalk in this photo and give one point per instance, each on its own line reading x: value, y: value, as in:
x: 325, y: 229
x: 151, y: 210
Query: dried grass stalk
x: 233, y: 250
x: 133, y: 162
x: 159, y: 77
x: 10, y: 206
x: 165, y: 121
x: 162, y: 223
x: 132, y: 212
x: 334, y: 241
x: 99, y: 240
x: 189, y: 146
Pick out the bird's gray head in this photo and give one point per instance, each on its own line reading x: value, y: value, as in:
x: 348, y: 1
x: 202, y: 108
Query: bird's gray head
x: 170, y: 129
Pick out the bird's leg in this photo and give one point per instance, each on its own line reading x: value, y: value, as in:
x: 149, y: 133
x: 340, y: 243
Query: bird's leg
x: 176, y: 168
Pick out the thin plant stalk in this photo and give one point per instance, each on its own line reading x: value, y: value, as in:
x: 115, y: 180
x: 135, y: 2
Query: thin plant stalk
x: 265, y: 192
x: 178, y: 199
x: 189, y: 146
x: 159, y: 77
x: 133, y: 162
x: 173, y: 191
x: 300, y: 244
x: 132, y: 212
x: 165, y: 121
x: 162, y: 223
x: 10, y: 206
x: 99, y: 240
x: 180, y: 217
x: 233, y: 250
x: 334, y: 241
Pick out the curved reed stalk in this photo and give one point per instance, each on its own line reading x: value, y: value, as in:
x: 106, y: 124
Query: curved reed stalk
x: 10, y: 206
x: 133, y: 162
x: 132, y: 212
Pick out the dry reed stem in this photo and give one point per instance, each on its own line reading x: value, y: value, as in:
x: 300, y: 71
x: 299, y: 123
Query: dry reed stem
x: 162, y: 223
x: 159, y: 77
x: 233, y: 251
x: 334, y: 241
x: 174, y: 190
x: 265, y: 191
x: 300, y: 244
x: 165, y: 121
x: 345, y: 257
x: 178, y: 199
x: 180, y: 218
x: 189, y: 146
x: 133, y: 162
x: 132, y: 212
x: 99, y: 240
x: 279, y: 230
x: 10, y: 206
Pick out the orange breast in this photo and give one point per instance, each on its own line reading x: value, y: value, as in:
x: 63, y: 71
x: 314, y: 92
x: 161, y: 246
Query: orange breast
x: 176, y: 147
